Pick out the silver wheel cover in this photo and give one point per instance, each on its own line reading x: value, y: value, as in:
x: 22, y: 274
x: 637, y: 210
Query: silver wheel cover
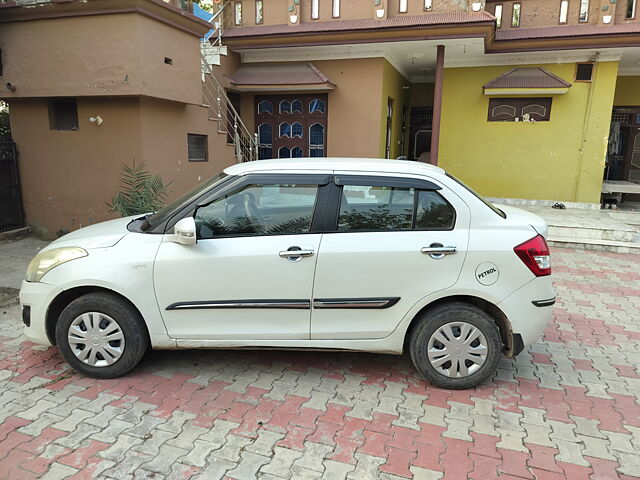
x: 457, y: 349
x: 96, y: 339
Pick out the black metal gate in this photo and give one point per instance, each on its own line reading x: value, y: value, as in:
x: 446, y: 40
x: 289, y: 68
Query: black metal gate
x: 11, y: 215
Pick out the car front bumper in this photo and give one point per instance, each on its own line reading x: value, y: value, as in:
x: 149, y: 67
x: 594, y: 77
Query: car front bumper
x: 35, y: 298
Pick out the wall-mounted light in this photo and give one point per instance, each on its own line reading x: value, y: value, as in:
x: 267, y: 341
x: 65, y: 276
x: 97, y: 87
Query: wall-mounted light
x: 10, y: 86
x: 476, y: 6
x: 97, y: 120
x: 606, y: 19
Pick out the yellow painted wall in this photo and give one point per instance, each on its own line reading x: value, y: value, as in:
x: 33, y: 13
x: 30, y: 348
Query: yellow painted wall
x: 560, y: 160
x: 392, y: 87
x: 627, y: 92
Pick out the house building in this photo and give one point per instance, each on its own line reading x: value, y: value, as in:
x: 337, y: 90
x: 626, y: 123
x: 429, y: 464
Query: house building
x: 531, y: 100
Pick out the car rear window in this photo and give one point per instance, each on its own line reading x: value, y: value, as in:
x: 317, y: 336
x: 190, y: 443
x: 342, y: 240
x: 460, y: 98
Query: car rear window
x: 495, y: 209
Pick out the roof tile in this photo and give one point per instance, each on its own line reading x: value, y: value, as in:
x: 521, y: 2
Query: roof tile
x: 527, y: 77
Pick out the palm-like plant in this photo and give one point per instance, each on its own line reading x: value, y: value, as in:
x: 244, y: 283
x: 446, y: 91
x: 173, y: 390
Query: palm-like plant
x: 141, y: 192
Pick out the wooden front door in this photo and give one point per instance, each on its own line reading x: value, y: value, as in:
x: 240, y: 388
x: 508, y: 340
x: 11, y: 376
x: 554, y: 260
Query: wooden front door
x: 291, y: 126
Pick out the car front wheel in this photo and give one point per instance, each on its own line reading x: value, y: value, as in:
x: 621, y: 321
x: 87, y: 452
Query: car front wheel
x: 101, y: 335
x: 456, y: 345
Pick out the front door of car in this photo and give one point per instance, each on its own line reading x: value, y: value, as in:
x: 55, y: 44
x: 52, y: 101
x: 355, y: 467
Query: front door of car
x: 394, y: 242
x: 250, y: 274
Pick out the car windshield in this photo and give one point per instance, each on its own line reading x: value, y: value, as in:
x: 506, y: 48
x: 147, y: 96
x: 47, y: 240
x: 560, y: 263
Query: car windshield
x: 162, y: 215
x: 478, y: 196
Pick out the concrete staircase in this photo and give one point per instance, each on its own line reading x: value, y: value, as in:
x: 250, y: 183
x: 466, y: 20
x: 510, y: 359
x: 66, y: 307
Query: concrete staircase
x: 605, y: 230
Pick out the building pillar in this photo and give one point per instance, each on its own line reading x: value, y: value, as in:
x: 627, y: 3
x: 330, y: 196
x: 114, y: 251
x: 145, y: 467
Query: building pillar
x: 437, y: 106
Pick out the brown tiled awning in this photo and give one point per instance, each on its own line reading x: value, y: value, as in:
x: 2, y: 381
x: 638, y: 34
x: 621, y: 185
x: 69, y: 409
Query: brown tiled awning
x: 564, y: 31
x: 526, y: 80
x: 280, y: 77
x: 433, y: 19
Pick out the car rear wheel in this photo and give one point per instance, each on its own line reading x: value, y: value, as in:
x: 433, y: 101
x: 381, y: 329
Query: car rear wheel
x: 456, y: 345
x: 101, y: 335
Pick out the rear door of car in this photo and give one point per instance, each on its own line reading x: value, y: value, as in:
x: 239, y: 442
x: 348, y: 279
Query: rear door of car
x: 388, y: 242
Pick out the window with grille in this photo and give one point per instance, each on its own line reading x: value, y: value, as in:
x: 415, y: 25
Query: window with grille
x: 622, y: 118
x: 265, y: 141
x: 63, y: 114
x: 265, y: 106
x: 316, y: 140
x: 197, y: 147
x: 519, y: 109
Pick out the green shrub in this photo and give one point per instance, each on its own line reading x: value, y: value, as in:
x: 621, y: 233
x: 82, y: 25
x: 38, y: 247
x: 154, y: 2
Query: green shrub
x: 141, y: 191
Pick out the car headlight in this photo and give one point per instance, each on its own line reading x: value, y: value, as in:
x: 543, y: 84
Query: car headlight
x: 45, y: 261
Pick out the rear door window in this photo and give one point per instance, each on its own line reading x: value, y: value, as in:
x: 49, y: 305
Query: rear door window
x: 385, y: 208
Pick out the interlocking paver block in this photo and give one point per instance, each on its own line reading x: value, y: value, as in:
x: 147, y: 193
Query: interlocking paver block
x: 366, y: 467
x: 249, y: 465
x: 282, y: 462
x: 232, y: 447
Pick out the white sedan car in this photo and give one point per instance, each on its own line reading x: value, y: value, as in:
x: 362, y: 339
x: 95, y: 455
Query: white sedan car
x: 339, y: 254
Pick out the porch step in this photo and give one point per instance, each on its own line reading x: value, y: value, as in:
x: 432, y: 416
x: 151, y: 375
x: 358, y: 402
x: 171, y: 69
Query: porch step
x: 591, y: 244
x: 583, y: 224
x: 617, y: 233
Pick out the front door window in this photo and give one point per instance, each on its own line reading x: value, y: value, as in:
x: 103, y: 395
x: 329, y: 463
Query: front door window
x: 291, y: 126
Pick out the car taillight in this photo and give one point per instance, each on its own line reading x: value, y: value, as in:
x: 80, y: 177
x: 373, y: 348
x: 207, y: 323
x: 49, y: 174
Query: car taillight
x: 535, y: 255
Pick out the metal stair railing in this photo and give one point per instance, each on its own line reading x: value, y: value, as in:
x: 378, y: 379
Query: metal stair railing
x: 220, y: 107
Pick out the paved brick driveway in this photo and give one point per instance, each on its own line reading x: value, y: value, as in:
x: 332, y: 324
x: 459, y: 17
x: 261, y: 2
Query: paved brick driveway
x: 567, y: 408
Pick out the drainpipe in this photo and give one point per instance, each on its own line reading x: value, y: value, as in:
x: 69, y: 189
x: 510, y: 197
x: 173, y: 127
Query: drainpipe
x: 585, y: 126
x: 437, y: 106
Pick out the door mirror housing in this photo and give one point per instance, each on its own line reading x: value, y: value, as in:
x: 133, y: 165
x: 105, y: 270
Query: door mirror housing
x: 184, y: 231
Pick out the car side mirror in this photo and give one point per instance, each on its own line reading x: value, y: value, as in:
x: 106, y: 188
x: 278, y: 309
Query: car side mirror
x: 184, y: 231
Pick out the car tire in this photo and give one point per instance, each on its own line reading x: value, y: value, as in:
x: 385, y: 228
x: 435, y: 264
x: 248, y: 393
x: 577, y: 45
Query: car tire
x: 455, y: 363
x: 104, y: 329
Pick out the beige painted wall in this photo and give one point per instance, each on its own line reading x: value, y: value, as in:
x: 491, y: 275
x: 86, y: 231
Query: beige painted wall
x: 68, y: 176
x: 164, y: 127
x: 116, y: 54
x: 354, y: 106
x: 276, y: 11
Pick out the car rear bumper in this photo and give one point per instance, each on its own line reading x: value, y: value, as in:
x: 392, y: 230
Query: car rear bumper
x: 35, y: 299
x: 529, y: 310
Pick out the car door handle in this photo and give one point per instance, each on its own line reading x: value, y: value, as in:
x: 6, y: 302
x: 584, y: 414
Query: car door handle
x: 438, y: 251
x: 296, y: 253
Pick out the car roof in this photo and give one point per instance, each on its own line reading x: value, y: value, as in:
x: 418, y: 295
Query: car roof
x: 364, y: 165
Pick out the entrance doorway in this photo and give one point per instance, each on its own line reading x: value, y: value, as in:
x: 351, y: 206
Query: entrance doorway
x: 291, y: 126
x: 623, y: 154
x: 11, y: 216
x: 420, y: 133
